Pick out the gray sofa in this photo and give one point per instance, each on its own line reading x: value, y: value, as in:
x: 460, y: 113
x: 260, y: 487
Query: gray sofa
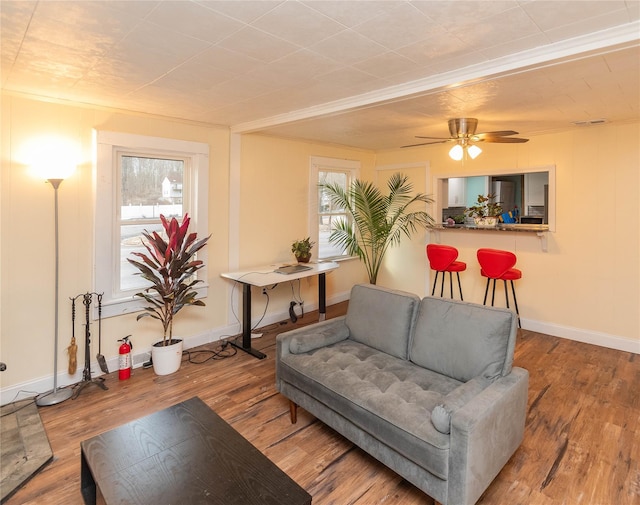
x: 426, y: 386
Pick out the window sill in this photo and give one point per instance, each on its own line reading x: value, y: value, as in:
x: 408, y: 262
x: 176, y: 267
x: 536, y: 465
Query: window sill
x: 337, y: 259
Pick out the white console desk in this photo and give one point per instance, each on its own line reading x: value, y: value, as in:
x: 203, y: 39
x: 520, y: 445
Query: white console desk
x: 266, y: 276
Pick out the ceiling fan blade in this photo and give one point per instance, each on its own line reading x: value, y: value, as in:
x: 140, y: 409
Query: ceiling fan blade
x: 427, y: 143
x: 463, y: 131
x: 504, y: 140
x: 502, y: 133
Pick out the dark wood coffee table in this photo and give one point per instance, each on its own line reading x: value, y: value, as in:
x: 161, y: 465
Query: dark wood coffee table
x: 185, y: 454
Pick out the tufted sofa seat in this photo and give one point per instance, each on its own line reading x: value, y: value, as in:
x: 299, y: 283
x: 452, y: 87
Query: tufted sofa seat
x: 425, y: 386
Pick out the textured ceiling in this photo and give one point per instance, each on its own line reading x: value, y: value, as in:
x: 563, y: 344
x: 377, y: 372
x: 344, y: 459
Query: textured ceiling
x: 370, y: 74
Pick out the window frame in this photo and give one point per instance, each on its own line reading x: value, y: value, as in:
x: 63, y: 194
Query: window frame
x: 108, y: 146
x: 318, y: 164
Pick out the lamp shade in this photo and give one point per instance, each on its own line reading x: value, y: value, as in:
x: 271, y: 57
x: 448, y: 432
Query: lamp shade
x: 474, y: 151
x: 51, y: 157
x: 456, y: 152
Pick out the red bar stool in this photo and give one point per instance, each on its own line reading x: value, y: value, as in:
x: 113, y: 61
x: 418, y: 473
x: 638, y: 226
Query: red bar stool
x: 442, y: 258
x: 498, y: 265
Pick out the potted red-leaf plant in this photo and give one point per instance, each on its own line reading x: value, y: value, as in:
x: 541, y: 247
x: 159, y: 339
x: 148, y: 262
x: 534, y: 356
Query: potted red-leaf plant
x: 170, y: 267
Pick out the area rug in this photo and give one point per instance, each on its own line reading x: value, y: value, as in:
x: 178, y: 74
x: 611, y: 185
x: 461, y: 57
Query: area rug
x: 24, y: 445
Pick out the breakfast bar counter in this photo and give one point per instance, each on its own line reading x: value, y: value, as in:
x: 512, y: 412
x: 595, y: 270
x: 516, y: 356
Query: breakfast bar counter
x: 540, y: 230
x: 536, y: 228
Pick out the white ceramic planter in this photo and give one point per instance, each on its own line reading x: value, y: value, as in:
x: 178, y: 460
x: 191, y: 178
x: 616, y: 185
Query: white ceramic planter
x: 166, y: 359
x: 486, y: 222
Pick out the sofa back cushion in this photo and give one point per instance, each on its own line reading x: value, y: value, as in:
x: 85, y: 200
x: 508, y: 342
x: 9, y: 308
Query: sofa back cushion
x: 463, y: 340
x: 382, y: 318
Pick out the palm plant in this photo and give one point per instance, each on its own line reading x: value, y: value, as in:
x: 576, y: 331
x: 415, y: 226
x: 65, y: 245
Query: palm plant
x: 377, y: 221
x: 169, y: 267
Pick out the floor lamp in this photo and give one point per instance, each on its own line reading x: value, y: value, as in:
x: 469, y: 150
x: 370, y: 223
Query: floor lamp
x: 57, y: 395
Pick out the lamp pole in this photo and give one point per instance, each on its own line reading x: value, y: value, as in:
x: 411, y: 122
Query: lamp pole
x: 57, y: 395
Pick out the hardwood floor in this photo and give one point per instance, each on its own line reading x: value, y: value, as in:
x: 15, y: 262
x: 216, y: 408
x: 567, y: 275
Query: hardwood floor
x: 581, y: 440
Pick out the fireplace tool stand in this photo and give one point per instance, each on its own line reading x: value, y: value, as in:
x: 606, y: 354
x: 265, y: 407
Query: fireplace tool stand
x: 86, y: 373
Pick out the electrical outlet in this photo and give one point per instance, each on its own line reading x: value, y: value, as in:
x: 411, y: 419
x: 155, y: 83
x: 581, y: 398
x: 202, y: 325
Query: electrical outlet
x: 264, y: 291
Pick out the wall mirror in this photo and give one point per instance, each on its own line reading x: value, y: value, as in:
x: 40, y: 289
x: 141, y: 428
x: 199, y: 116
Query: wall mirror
x: 529, y: 194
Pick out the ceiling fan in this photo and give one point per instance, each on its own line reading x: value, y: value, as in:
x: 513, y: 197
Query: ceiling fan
x: 463, y: 133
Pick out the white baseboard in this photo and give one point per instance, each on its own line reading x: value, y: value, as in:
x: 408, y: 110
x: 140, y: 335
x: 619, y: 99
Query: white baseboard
x: 45, y: 384
x: 34, y: 387
x: 582, y: 335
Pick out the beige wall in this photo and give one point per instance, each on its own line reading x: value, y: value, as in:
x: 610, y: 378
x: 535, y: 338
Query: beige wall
x: 274, y: 211
x: 28, y: 238
x: 274, y: 176
x: 586, y: 286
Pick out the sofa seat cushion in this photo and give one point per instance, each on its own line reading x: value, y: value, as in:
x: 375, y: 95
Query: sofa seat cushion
x: 389, y: 398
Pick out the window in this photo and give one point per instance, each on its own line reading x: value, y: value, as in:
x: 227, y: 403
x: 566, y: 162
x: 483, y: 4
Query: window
x: 148, y: 187
x: 137, y: 179
x: 324, y: 215
x: 532, y: 190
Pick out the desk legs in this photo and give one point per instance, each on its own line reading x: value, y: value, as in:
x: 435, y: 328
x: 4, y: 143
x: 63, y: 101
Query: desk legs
x: 246, y: 315
x: 246, y: 325
x: 322, y: 297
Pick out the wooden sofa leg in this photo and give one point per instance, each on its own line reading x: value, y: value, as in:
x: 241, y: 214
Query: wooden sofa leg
x: 293, y: 410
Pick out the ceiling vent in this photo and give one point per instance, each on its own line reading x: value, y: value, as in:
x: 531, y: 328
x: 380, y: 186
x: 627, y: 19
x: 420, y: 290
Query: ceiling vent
x: 589, y: 122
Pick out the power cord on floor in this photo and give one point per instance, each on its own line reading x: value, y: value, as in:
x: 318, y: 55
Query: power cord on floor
x: 199, y: 357
x: 28, y: 401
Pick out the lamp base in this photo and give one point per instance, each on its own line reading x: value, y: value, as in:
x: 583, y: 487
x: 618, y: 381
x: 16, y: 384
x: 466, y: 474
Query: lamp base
x: 54, y: 397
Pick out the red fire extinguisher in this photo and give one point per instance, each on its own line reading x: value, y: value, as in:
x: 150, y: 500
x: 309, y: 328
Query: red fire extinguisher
x: 124, y: 358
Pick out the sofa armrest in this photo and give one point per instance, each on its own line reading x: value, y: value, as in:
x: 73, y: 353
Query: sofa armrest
x: 484, y: 435
x: 456, y: 399
x: 312, y: 337
x: 308, y: 338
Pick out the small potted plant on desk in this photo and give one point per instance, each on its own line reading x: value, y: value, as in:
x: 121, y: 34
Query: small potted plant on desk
x: 169, y: 267
x: 485, y: 212
x: 301, y: 249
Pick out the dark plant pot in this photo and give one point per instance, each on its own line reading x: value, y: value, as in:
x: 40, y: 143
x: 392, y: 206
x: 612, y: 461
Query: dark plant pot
x: 303, y: 259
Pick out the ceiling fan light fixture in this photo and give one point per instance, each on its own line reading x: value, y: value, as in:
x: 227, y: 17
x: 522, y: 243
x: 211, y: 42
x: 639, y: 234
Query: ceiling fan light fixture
x: 462, y: 127
x: 463, y: 132
x: 456, y: 152
x: 474, y: 151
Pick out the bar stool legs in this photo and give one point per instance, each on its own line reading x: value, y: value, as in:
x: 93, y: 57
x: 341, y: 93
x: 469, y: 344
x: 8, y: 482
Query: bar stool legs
x: 435, y: 281
x: 506, y: 294
x: 442, y: 258
x: 515, y: 301
x: 498, y: 265
x: 486, y: 291
x: 459, y: 285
